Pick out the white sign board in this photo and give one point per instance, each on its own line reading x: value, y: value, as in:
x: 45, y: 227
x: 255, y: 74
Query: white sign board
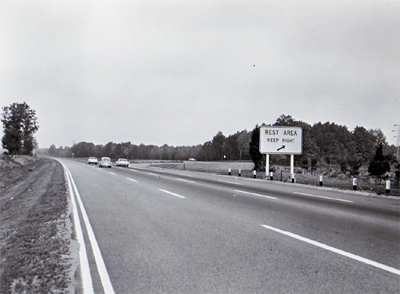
x: 281, y: 140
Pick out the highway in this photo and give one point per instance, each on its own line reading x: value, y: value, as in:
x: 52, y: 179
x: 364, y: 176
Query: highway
x: 167, y: 231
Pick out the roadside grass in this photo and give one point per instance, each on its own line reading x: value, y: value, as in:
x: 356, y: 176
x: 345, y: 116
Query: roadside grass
x: 36, y: 248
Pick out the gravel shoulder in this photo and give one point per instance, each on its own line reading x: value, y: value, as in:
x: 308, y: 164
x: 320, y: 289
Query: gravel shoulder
x: 37, y: 251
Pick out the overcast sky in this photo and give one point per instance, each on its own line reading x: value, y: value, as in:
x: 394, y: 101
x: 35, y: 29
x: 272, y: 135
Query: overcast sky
x: 177, y: 72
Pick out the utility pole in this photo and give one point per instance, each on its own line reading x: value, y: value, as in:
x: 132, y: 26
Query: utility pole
x: 398, y: 139
x: 397, y: 151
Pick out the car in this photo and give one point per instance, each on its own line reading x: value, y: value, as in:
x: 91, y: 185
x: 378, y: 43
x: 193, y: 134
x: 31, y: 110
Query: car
x: 92, y: 160
x: 192, y: 159
x: 105, y: 162
x: 122, y: 162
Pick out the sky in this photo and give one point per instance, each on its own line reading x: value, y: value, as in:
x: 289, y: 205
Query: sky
x: 177, y: 72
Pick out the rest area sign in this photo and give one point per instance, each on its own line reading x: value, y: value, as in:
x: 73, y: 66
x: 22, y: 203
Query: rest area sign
x: 281, y: 140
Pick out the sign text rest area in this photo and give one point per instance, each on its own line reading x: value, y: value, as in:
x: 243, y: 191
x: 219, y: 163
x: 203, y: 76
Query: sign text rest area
x: 281, y: 140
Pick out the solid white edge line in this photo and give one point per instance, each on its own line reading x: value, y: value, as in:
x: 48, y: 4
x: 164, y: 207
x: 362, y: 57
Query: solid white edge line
x: 324, y: 197
x: 87, y: 284
x: 335, y: 250
x: 255, y: 194
x: 171, y: 193
x: 101, y: 267
x: 131, y: 179
x: 113, y: 173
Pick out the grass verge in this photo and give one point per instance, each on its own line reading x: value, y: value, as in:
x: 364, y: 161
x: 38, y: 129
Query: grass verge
x: 36, y: 249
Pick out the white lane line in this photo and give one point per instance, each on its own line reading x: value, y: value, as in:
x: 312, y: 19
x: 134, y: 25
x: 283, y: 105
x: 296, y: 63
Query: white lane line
x: 335, y: 250
x: 240, y: 184
x: 87, y: 284
x: 113, y: 173
x: 152, y: 174
x: 255, y: 194
x: 171, y: 193
x: 183, y: 180
x: 318, y: 196
x: 101, y: 267
x: 131, y: 179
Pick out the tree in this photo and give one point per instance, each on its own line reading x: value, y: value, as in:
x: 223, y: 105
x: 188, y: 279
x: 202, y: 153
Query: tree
x: 254, y: 150
x: 380, y: 164
x: 20, y: 123
x: 217, y: 145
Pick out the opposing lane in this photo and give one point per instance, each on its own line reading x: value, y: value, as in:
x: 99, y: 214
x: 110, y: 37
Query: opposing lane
x: 212, y: 240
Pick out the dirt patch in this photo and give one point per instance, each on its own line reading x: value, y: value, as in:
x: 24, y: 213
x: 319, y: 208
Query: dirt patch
x: 37, y: 254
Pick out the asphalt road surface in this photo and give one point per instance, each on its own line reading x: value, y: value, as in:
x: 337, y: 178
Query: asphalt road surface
x: 166, y: 231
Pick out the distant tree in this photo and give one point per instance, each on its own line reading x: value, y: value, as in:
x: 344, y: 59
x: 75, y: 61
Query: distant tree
x: 331, y: 140
x: 82, y: 149
x: 217, y: 146
x: 20, y: 123
x: 243, y: 139
x: 205, y: 152
x: 285, y: 120
x: 231, y: 148
x: 380, y: 164
x: 254, y: 150
x: 52, y: 150
x: 379, y: 136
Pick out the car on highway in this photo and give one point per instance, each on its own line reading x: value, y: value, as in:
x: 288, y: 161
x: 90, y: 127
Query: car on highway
x: 105, y: 162
x: 93, y: 160
x: 122, y: 162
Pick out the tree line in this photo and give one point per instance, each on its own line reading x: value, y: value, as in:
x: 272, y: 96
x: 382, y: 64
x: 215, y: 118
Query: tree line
x: 233, y: 147
x: 323, y: 144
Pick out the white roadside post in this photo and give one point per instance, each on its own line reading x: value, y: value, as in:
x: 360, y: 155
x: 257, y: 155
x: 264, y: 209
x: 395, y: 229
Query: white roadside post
x: 354, y: 184
x: 388, y: 187
x: 321, y: 180
x: 281, y: 140
x: 292, y: 167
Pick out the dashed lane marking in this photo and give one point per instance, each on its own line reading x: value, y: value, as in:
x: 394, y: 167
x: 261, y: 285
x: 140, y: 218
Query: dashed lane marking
x: 171, y: 193
x: 131, y: 179
x: 324, y: 197
x: 234, y: 183
x: 190, y: 176
x: 255, y: 194
x: 183, y: 180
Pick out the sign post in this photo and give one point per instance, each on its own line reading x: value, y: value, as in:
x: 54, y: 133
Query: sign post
x: 281, y: 140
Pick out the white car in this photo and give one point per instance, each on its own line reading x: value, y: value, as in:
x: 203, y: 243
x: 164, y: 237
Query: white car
x: 92, y: 160
x: 105, y: 162
x: 122, y: 162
